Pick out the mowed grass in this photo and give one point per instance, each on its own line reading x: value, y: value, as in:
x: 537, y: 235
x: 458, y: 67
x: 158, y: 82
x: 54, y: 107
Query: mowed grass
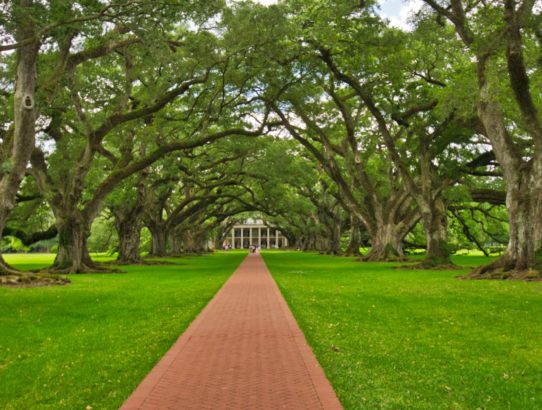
x: 90, y: 343
x: 409, y: 339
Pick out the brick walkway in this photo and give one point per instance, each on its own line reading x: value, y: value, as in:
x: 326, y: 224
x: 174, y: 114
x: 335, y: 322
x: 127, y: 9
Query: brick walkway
x: 244, y: 351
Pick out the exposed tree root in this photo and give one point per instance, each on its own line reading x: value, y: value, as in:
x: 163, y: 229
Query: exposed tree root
x: 430, y: 265
x: 12, y: 277
x: 80, y: 269
x: 505, y: 269
x: 386, y: 253
x: 376, y: 258
x: 31, y: 280
x: 137, y: 261
x: 141, y: 262
x: 500, y: 265
x: 157, y: 260
x: 528, y: 275
x: 6, y: 269
x: 189, y: 253
x: 195, y: 253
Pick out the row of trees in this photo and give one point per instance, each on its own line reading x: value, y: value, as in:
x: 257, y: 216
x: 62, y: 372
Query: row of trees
x: 398, y: 124
x: 179, y: 117
x: 109, y: 91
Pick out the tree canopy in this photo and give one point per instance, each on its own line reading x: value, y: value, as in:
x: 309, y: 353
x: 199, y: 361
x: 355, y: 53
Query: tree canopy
x: 164, y: 123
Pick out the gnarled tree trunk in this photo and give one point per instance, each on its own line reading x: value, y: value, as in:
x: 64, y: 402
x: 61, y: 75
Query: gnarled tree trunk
x: 129, y: 233
x: 335, y: 239
x: 72, y: 255
x: 192, y: 242
x: 435, y: 225
x: 159, y: 236
x: 19, y: 145
x: 321, y: 242
x: 522, y: 169
x: 129, y: 222
x: 386, y: 244
x: 524, y: 251
x: 309, y: 243
x: 355, y: 238
x: 523, y: 197
x: 175, y: 244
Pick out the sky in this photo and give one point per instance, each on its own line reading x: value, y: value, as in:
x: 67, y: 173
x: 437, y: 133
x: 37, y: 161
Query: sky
x: 396, y: 11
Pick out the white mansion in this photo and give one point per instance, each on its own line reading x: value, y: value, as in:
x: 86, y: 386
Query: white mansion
x: 256, y: 233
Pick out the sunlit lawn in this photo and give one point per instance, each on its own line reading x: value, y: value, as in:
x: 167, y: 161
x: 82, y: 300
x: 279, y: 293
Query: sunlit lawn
x: 406, y: 339
x: 90, y: 343
x: 386, y: 338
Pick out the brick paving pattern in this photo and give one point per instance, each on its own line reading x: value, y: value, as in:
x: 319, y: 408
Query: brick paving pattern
x: 244, y: 351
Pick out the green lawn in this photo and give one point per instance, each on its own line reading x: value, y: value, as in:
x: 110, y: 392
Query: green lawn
x: 90, y: 343
x: 405, y: 339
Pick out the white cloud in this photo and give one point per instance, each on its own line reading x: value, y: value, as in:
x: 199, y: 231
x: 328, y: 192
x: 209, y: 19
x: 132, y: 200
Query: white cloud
x: 399, y: 11
x: 396, y: 11
x: 264, y: 2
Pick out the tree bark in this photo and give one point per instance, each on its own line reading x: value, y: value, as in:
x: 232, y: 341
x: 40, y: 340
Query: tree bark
x: 193, y: 242
x: 22, y: 141
x: 523, y: 176
x: 176, y: 242
x: 523, y: 194
x: 524, y: 250
x: 355, y: 238
x: 310, y: 243
x: 335, y: 239
x: 129, y: 232
x: 435, y: 225
x: 522, y: 204
x: 159, y: 237
x: 389, y: 227
x: 72, y: 255
x: 386, y: 244
x: 321, y: 243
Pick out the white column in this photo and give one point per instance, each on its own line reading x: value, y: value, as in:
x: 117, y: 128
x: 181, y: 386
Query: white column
x: 267, y: 237
x: 233, y: 237
x: 276, y: 238
x: 242, y: 238
x: 250, y: 236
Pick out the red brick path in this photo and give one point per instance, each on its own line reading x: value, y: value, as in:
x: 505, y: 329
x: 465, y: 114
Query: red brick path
x: 244, y: 351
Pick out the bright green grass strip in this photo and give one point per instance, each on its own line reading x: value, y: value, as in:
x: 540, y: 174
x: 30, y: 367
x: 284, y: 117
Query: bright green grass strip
x: 90, y: 343
x: 406, y: 339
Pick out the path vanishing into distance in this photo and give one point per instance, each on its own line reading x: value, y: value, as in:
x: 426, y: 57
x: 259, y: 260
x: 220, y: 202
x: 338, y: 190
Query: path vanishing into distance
x: 244, y: 351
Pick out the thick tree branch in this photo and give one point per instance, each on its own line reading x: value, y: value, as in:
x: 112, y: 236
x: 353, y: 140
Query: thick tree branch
x: 29, y: 239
